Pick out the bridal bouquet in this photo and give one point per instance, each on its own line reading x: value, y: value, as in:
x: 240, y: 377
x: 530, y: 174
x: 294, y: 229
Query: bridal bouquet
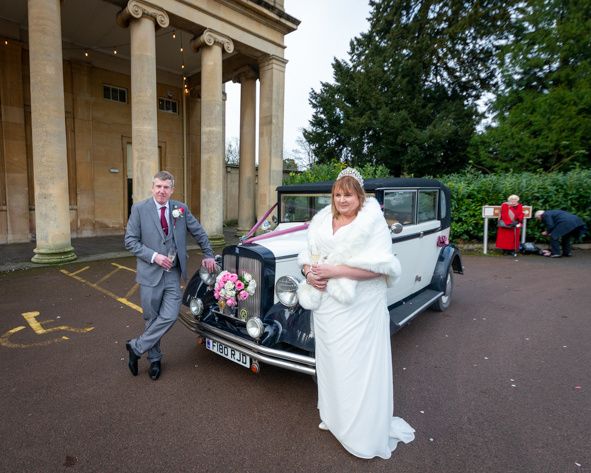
x: 230, y: 288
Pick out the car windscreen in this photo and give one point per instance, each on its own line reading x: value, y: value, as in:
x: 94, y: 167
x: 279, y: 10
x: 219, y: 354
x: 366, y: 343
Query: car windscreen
x: 302, y: 207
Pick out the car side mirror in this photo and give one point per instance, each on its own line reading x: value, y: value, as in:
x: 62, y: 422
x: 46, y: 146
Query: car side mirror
x: 396, y: 228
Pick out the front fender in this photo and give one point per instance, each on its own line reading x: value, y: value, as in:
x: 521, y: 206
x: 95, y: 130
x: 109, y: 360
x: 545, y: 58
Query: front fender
x: 196, y: 288
x: 296, y: 326
x: 448, y: 257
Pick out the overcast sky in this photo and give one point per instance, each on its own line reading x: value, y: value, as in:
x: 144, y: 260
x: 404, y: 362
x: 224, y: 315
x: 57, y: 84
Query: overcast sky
x: 325, y: 30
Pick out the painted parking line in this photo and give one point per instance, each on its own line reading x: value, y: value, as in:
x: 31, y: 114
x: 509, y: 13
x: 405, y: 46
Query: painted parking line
x: 38, y: 327
x: 96, y: 285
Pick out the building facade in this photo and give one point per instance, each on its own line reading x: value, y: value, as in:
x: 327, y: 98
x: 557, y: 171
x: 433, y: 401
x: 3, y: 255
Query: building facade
x: 96, y: 96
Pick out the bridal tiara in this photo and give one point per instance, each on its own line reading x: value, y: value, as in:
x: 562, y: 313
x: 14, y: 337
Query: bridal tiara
x: 351, y: 172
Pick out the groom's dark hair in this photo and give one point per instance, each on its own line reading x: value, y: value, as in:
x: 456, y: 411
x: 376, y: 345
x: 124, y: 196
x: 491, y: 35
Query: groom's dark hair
x: 164, y: 176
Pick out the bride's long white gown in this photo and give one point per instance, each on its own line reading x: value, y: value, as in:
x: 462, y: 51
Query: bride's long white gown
x: 354, y: 369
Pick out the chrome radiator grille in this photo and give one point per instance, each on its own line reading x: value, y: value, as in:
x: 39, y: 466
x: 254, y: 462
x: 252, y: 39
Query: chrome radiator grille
x: 252, y: 305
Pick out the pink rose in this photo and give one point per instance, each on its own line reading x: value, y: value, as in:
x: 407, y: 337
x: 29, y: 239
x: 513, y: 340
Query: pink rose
x: 231, y: 302
x: 233, y: 277
x: 243, y: 295
x: 239, y: 285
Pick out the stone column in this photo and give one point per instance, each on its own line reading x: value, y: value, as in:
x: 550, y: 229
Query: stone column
x: 194, y: 132
x: 272, y: 90
x: 141, y: 18
x: 247, y: 178
x: 210, y: 45
x: 50, y: 167
x: 82, y: 114
x: 15, y: 143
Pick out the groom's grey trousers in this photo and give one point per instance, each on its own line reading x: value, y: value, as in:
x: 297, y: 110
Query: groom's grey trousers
x: 161, y: 306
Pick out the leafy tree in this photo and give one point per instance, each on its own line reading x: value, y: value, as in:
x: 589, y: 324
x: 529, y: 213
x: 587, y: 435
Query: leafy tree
x: 543, y: 111
x: 289, y: 164
x: 406, y: 98
x: 303, y: 154
x: 233, y: 151
x: 330, y: 171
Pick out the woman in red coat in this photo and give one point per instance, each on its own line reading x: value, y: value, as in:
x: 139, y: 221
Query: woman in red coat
x: 512, y: 215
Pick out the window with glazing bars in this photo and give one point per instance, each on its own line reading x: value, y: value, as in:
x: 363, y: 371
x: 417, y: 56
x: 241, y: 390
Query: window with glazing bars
x: 116, y: 94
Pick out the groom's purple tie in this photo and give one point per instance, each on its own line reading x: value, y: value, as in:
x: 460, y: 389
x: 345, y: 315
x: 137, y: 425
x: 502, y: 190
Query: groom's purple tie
x: 163, y: 221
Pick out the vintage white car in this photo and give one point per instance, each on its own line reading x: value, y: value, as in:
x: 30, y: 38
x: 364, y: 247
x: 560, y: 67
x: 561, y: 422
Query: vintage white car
x: 269, y: 326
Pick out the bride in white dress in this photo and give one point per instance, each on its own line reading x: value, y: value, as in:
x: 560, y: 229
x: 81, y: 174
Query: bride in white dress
x: 348, y: 265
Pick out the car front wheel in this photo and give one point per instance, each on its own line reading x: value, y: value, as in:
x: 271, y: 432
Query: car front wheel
x: 444, y: 301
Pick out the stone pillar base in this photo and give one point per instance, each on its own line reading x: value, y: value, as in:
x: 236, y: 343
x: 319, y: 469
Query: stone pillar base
x: 217, y: 240
x: 63, y: 255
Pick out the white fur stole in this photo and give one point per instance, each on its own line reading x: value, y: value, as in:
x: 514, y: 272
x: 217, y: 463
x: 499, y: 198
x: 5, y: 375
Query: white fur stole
x: 365, y: 243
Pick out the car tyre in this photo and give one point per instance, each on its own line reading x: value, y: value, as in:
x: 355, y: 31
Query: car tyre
x: 441, y: 304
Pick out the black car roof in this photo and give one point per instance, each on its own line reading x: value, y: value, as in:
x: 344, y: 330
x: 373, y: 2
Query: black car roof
x: 370, y: 184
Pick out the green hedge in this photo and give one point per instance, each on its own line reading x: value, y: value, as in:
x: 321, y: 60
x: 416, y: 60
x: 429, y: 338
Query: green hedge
x: 471, y: 190
x: 569, y: 191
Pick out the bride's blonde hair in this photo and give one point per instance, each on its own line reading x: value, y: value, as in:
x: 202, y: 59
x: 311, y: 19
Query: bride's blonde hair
x: 347, y: 184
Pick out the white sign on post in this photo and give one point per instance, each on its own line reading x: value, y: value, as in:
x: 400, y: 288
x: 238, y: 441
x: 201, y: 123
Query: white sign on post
x: 494, y: 211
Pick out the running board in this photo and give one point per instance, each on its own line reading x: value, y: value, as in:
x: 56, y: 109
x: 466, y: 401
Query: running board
x: 402, y: 313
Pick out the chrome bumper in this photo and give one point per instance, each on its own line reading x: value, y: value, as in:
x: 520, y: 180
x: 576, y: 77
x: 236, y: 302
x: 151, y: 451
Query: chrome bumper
x: 282, y: 359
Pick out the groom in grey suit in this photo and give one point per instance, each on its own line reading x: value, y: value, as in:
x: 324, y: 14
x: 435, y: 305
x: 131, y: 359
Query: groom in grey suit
x: 157, y: 228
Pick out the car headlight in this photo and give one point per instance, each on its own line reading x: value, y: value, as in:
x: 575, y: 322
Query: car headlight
x: 207, y: 277
x: 286, y: 289
x: 196, y: 306
x: 255, y: 327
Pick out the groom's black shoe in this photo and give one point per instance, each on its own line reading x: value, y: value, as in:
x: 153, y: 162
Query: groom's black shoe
x: 155, y: 370
x: 133, y: 359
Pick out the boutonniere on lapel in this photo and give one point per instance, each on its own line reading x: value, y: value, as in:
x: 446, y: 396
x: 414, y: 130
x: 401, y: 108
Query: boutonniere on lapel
x: 177, y: 213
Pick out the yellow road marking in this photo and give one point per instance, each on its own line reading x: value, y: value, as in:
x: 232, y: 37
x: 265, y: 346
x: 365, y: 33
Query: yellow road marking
x: 135, y: 287
x: 31, y: 318
x: 120, y: 266
x: 81, y: 269
x: 37, y: 327
x: 122, y: 300
x: 107, y: 276
x: 132, y: 290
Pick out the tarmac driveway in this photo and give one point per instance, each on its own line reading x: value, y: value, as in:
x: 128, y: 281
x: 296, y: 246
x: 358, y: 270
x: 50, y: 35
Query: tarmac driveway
x: 498, y: 383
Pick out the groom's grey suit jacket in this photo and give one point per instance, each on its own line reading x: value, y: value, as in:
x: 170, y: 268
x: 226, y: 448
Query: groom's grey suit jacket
x: 144, y: 236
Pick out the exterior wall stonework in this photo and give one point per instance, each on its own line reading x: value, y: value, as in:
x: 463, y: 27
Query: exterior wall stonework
x: 97, y: 133
x: 84, y: 165
x: 96, y: 130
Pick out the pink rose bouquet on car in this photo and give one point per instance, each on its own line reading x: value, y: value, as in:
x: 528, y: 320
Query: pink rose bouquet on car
x: 230, y: 288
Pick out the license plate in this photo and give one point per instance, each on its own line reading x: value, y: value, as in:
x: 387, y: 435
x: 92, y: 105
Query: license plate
x: 228, y: 352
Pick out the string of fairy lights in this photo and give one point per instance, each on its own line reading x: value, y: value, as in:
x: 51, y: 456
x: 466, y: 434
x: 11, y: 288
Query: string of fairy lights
x: 114, y: 49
